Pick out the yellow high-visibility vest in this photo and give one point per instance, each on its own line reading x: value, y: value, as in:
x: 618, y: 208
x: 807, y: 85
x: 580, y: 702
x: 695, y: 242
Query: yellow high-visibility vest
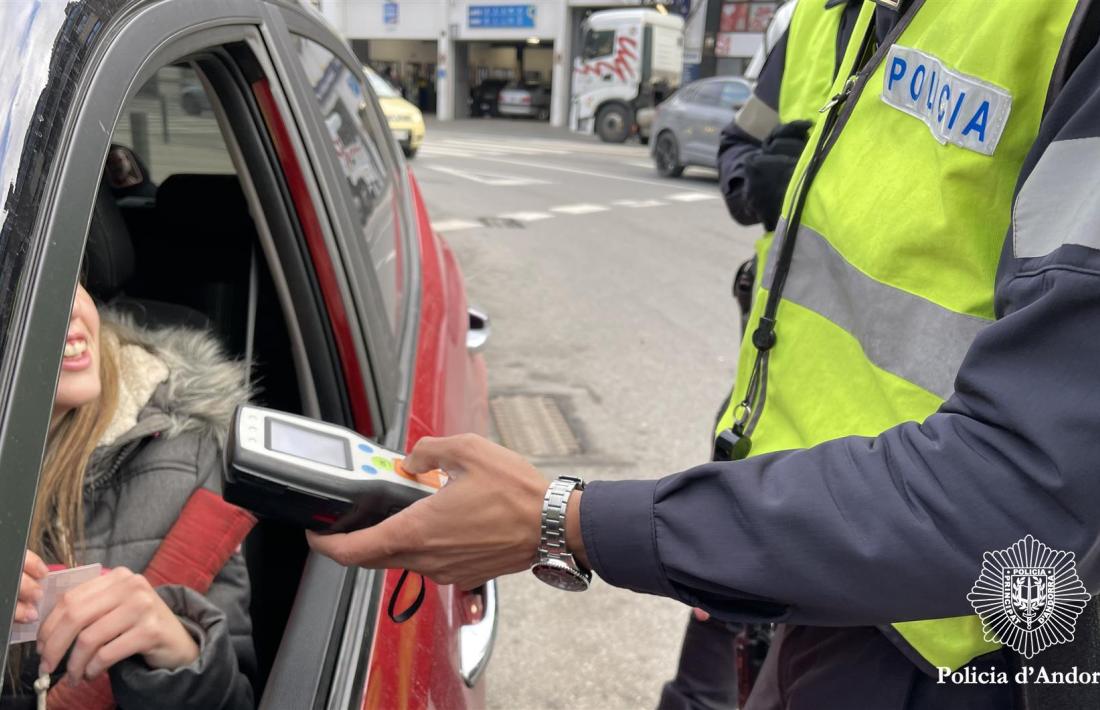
x: 899, y: 241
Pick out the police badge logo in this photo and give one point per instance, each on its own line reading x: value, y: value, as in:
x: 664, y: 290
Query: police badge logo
x: 1028, y: 596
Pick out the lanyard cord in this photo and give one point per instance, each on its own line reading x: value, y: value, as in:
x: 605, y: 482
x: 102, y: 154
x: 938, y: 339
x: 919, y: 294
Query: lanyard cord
x: 764, y: 337
x: 412, y: 608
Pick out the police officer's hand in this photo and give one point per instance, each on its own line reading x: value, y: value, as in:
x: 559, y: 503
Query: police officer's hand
x: 484, y: 523
x: 788, y: 139
x: 768, y: 172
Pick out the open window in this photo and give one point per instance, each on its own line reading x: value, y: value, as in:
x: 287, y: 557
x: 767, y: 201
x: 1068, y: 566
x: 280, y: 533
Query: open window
x: 195, y: 225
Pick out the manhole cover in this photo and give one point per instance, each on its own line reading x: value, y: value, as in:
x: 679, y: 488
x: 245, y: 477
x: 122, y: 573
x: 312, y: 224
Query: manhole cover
x: 501, y: 222
x: 533, y: 425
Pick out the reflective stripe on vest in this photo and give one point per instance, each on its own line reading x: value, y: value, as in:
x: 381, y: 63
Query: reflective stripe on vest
x: 901, y: 234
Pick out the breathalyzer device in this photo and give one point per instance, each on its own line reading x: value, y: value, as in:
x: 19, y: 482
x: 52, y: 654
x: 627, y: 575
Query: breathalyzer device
x: 316, y: 475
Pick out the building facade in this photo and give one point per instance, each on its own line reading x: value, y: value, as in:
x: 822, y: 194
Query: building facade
x: 438, y: 50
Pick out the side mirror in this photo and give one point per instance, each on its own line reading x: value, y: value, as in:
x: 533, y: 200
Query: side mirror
x: 123, y: 168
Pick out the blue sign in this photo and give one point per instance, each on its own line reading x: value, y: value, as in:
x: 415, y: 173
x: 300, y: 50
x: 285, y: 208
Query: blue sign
x: 501, y: 16
x: 390, y: 13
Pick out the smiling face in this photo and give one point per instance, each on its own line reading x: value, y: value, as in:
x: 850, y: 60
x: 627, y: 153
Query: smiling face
x: 79, y: 382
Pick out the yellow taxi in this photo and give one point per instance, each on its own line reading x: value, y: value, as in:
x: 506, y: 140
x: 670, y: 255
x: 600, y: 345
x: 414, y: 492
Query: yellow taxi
x: 406, y: 121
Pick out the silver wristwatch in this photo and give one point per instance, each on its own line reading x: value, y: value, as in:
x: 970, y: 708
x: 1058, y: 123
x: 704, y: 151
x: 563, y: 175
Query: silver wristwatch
x: 555, y: 565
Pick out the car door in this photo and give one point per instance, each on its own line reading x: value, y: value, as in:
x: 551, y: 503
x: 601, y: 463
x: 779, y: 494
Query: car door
x: 322, y: 654
x: 386, y: 244
x: 699, y: 120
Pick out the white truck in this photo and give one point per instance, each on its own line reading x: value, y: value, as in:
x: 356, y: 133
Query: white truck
x: 629, y: 60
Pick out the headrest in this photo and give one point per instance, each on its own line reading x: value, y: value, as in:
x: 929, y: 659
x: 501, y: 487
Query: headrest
x: 203, y: 215
x: 109, y: 255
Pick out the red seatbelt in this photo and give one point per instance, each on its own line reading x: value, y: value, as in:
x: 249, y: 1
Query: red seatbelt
x: 203, y: 538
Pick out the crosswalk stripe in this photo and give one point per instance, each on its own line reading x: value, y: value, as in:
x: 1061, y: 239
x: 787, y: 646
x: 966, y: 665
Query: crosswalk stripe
x: 579, y: 209
x: 637, y: 203
x: 454, y: 225
x: 448, y: 152
x: 526, y: 216
x: 504, y: 145
x: 692, y: 196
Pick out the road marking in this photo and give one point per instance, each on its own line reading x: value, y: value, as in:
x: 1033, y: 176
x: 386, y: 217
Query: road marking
x: 485, y: 178
x: 430, y: 150
x: 553, y: 145
x: 637, y: 203
x: 454, y: 225
x: 579, y: 209
x: 516, y: 146
x: 638, y: 163
x: 693, y: 196
x: 590, y: 173
x: 526, y: 216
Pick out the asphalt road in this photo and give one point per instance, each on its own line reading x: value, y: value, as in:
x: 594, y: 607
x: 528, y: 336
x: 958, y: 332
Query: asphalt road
x: 609, y: 290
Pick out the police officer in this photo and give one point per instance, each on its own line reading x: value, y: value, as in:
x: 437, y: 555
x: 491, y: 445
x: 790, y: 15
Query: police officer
x: 918, y: 387
x: 757, y: 154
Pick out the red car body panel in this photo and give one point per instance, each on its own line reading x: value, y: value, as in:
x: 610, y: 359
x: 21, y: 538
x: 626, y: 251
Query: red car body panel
x: 415, y: 664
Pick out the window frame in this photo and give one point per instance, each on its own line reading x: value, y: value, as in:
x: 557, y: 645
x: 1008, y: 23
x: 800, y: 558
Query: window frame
x: 137, y: 47
x: 388, y: 354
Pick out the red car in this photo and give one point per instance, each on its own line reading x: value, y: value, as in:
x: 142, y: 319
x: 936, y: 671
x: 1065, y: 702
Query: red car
x: 284, y: 219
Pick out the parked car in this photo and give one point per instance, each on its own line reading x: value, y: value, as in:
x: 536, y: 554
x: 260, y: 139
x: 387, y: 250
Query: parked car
x: 687, y: 127
x: 483, y: 97
x: 252, y: 225
x: 193, y: 100
x: 531, y: 99
x: 643, y: 119
x: 405, y: 120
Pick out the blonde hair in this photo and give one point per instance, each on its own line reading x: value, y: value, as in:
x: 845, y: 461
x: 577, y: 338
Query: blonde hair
x: 57, y: 526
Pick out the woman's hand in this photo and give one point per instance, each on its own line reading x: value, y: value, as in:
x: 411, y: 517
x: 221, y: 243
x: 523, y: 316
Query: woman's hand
x: 30, y: 591
x: 110, y: 619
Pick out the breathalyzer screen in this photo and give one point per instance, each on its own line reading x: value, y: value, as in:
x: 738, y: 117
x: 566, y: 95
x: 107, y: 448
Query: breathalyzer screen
x: 307, y: 444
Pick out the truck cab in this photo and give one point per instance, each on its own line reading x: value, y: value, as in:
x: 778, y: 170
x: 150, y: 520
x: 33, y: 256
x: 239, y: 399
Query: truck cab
x: 629, y: 60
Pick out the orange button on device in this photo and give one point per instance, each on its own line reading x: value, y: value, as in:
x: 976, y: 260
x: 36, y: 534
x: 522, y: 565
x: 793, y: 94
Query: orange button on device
x: 434, y: 478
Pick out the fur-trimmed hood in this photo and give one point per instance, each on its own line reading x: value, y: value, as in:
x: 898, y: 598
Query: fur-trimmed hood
x: 198, y: 393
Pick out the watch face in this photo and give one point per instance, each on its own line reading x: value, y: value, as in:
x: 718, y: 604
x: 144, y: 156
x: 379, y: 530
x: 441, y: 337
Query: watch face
x: 560, y: 575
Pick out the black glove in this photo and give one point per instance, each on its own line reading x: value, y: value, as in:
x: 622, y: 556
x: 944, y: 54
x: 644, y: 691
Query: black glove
x: 768, y: 172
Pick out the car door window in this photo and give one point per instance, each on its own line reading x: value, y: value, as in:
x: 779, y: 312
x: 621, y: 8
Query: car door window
x: 708, y: 94
x: 361, y: 144
x: 170, y: 125
x: 687, y: 94
x: 734, y: 95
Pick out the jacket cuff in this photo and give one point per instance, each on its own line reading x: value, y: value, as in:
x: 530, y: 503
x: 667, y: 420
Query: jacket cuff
x: 620, y: 537
x: 208, y: 682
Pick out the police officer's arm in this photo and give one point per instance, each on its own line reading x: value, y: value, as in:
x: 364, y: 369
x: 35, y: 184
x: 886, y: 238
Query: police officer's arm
x: 857, y: 530
x: 872, y: 530
x: 745, y: 134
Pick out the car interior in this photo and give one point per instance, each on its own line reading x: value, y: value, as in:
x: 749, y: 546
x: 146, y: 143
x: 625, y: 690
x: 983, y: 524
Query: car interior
x: 173, y: 242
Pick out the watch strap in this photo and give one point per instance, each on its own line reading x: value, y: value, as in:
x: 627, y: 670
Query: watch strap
x: 555, y: 504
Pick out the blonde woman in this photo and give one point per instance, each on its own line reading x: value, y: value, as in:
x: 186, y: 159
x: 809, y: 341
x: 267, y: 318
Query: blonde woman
x: 139, y: 420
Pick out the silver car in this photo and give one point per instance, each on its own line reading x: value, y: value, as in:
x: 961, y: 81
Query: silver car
x: 688, y: 125
x: 531, y: 99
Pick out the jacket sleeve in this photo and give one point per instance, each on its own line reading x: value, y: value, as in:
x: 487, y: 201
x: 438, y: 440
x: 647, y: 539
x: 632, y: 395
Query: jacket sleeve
x: 221, y: 626
x: 744, y: 135
x: 864, y: 531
